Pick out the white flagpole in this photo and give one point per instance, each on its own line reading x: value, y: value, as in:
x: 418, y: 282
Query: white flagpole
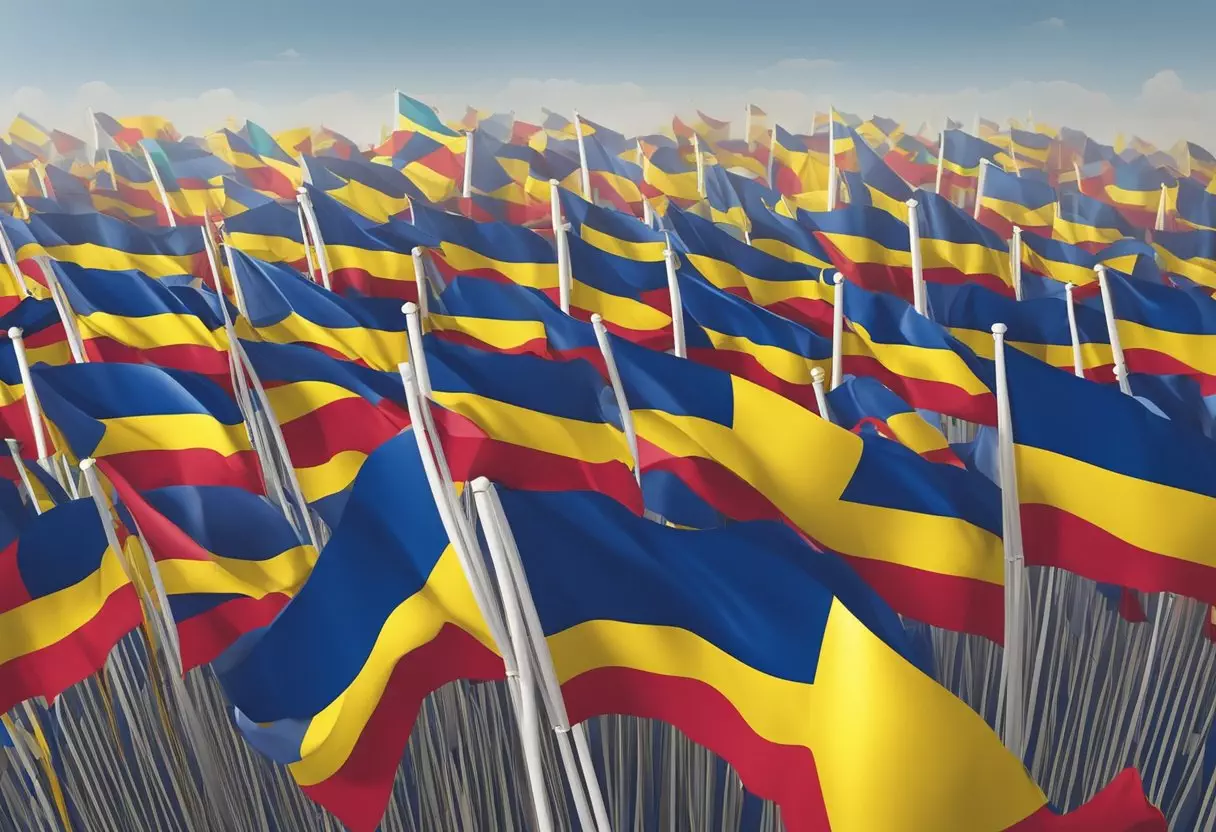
x: 14, y: 450
x: 10, y: 259
x: 1013, y: 670
x: 160, y: 186
x: 420, y: 279
x: 1078, y: 364
x: 979, y: 187
x: 1112, y: 330
x: 618, y: 391
x: 677, y: 306
x: 1159, y: 225
x: 941, y: 155
x: 39, y: 169
x: 66, y: 314
x: 1015, y: 261
x: 918, y: 277
x: 559, y: 244
x: 696, y: 149
x: 467, y: 189
x: 413, y: 324
x: 837, y: 330
x: 821, y: 399
x: 747, y: 125
x: 314, y: 229
x: 312, y: 263
x: 31, y: 397
x: 831, y: 158
x: 772, y: 147
x: 582, y: 156
x: 236, y: 282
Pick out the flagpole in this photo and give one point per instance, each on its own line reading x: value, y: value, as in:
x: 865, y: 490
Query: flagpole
x: 979, y: 187
x: 1015, y: 261
x: 772, y: 147
x: 418, y: 254
x: 821, y: 399
x: 837, y: 329
x: 1112, y: 331
x: 618, y: 391
x: 1078, y: 364
x: 413, y: 327
x: 941, y: 155
x: 696, y: 149
x: 314, y: 229
x: 467, y: 189
x: 1012, y: 669
x: 160, y: 186
x: 747, y: 125
x: 10, y: 260
x: 14, y: 450
x: 831, y: 158
x: 1159, y: 225
x: 582, y: 157
x: 66, y: 313
x: 31, y: 398
x: 308, y: 258
x: 559, y: 243
x: 918, y: 276
x: 680, y: 348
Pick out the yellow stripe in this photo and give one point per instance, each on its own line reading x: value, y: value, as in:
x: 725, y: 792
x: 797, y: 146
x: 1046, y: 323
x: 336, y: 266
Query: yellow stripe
x: 893, y: 750
x: 968, y: 258
x: 284, y: 572
x: 1158, y: 518
x: 1072, y: 232
x: 270, y: 249
x: 1057, y: 355
x: 791, y: 254
x: 375, y: 205
x: 618, y: 310
x: 785, y: 365
x: 1200, y: 270
x: 496, y: 333
x: 1193, y: 350
x: 299, y: 398
x: 651, y: 252
x: 593, y: 442
x: 1146, y: 200
x: 380, y: 350
x: 152, y: 331
x: 93, y: 256
x: 330, y: 477
x: 914, y: 432
x: 917, y: 362
x: 865, y: 250
x: 536, y: 275
x: 178, y: 432
x: 1019, y: 214
x: 44, y: 621
x: 332, y: 734
x: 387, y: 265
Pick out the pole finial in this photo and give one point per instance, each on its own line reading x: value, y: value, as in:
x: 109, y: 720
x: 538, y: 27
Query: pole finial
x: 999, y: 329
x: 14, y: 332
x: 837, y: 278
x: 481, y: 485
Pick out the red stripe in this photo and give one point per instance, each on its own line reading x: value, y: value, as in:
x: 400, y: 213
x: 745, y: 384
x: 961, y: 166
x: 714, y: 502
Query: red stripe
x: 15, y: 422
x: 50, y: 671
x: 1053, y: 537
x: 964, y: 605
x: 194, y: 358
x: 749, y: 367
x: 723, y: 489
x: 1157, y: 363
x: 358, y: 793
x: 205, y: 636
x: 1120, y: 807
x: 874, y: 277
x: 146, y: 470
x: 954, y: 277
x: 343, y: 281
x: 471, y: 453
x: 937, y: 396
x: 537, y: 346
x: 48, y: 336
x: 785, y: 774
x: 12, y: 586
x: 815, y: 315
x: 944, y: 456
x: 269, y: 179
x: 351, y: 424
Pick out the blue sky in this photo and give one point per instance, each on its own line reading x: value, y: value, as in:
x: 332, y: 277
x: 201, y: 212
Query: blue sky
x: 1070, y: 56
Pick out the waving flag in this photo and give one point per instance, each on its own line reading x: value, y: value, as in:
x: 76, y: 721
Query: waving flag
x: 632, y: 296
x: 796, y: 168
x: 271, y: 175
x: 1196, y: 207
x: 1165, y: 331
x: 29, y: 135
x: 614, y: 180
x: 957, y: 249
x: 754, y: 455
x: 1136, y: 191
x: 270, y: 233
x: 96, y: 241
x: 883, y: 188
x: 45, y: 343
x: 1087, y: 222
x: 960, y: 162
x: 375, y: 192
x: 228, y: 560
x: 1010, y: 200
x: 332, y: 414
x: 156, y: 427
x: 334, y: 684
x: 867, y: 245
x: 863, y: 404
x: 612, y: 231
x: 493, y: 250
x: 1189, y: 254
x: 65, y: 601
x: 285, y: 308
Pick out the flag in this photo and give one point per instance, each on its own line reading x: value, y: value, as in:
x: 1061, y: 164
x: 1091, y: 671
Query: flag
x: 1189, y: 254
x: 156, y: 427
x: 614, y: 180
x: 1163, y: 330
x: 870, y: 247
x: 136, y: 193
x: 1088, y: 222
x: 1136, y: 514
x: 417, y: 118
x: 45, y: 343
x: 671, y: 175
x: 1036, y: 326
x: 496, y: 191
x: 272, y: 175
x: 758, y: 131
x: 1196, y: 207
x: 374, y: 262
x: 493, y: 250
x: 957, y: 249
x: 332, y: 687
x: 633, y: 296
x: 1195, y: 162
x: 915, y: 357
x: 69, y: 191
x: 783, y: 237
x: 1029, y: 149
x: 721, y: 204
x: 270, y: 233
x: 863, y: 404
x: 332, y: 415
x: 883, y: 188
x: 913, y: 159
x: 96, y: 241
x: 227, y: 559
x: 796, y: 168
x: 755, y: 455
x: 792, y: 290
x: 612, y: 231
x: 960, y: 162
x: 129, y: 317
x: 1008, y: 200
x: 374, y: 191
x: 65, y: 601
x: 238, y: 198
x: 285, y: 308
x: 1136, y: 191
x: 29, y: 135
x: 529, y: 422
x: 191, y: 177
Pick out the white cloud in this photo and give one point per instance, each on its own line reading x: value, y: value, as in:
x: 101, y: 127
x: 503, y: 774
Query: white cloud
x: 1049, y: 24
x: 288, y: 55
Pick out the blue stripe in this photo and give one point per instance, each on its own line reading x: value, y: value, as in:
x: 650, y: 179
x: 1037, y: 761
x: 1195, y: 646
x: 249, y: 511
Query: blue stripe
x: 227, y: 522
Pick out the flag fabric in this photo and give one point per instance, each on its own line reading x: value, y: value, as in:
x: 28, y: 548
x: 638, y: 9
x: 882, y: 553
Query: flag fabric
x: 1189, y: 254
x: 65, y: 601
x: 135, y: 190
x: 1008, y: 200
x: 99, y: 242
x: 881, y: 186
x: 721, y: 203
x: 270, y: 233
x: 332, y: 415
x: 332, y: 687
x: 754, y: 455
x: 869, y: 246
x: 1136, y: 191
x: 796, y: 168
x: 1134, y: 514
x: 492, y: 250
x: 286, y: 308
x: 1087, y: 222
x: 29, y: 135
x: 957, y: 249
x: 529, y: 422
x: 614, y: 180
x: 960, y: 161
x: 632, y: 296
x: 271, y: 175
x: 1195, y: 208
x: 129, y: 317
x: 783, y: 237
x: 228, y: 560
x: 1163, y: 330
x: 497, y: 192
x: 156, y: 427
x: 864, y: 405
x: 239, y: 198
x: 669, y: 174
x: 417, y: 118
x: 45, y: 343
x: 611, y: 231
x: 374, y: 191
x: 792, y: 290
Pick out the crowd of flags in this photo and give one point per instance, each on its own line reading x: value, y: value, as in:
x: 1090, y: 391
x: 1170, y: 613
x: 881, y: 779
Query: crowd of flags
x: 770, y: 439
